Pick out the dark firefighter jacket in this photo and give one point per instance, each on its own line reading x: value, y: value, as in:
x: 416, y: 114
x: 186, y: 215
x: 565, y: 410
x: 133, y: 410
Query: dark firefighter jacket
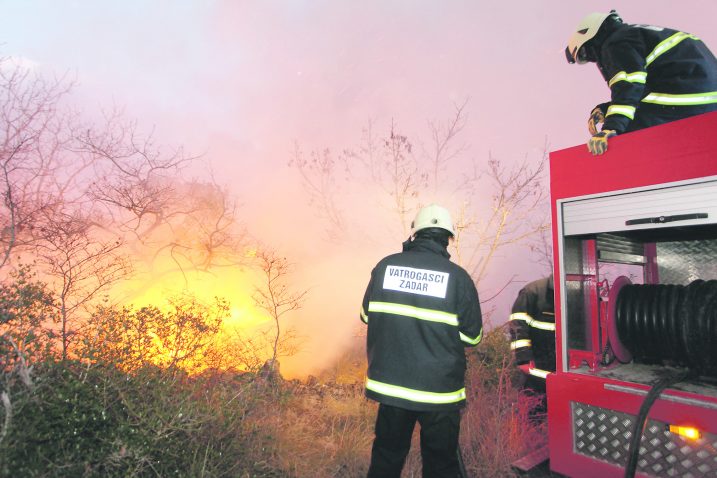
x: 532, y: 327
x: 421, y: 310
x: 655, y: 75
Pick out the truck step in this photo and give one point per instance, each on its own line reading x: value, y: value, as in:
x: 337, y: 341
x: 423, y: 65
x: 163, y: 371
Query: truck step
x: 532, y: 459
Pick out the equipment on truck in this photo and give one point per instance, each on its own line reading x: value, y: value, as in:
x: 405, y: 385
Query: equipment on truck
x: 635, y: 254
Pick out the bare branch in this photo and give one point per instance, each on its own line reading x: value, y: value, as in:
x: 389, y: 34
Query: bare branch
x: 319, y: 179
x: 275, y: 296
x: 443, y: 151
x: 388, y: 172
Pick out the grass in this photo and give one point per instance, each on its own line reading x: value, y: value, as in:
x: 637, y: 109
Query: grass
x: 81, y: 419
x: 330, y: 435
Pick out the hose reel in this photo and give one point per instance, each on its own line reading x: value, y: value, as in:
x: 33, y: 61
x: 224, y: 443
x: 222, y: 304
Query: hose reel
x: 665, y: 324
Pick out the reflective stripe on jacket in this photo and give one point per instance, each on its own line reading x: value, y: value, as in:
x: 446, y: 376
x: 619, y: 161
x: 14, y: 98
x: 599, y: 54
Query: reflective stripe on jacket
x: 421, y: 310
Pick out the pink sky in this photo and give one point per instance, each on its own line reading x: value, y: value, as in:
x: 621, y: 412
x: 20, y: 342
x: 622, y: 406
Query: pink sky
x: 241, y: 81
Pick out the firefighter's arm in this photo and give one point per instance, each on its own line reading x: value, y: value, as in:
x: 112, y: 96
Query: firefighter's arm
x: 363, y: 315
x: 596, y: 118
x: 470, y: 319
x: 519, y: 326
x: 625, y: 70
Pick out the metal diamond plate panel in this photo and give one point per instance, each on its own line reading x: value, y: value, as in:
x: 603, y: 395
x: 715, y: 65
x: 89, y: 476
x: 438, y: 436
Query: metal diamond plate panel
x: 605, y: 434
x: 682, y: 262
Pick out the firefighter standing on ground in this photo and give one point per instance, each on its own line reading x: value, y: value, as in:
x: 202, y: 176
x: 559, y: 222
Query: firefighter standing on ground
x: 532, y: 333
x: 421, y: 310
x: 655, y: 75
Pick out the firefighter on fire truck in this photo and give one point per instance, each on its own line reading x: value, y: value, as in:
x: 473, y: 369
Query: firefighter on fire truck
x: 532, y: 333
x: 655, y: 74
x: 421, y: 310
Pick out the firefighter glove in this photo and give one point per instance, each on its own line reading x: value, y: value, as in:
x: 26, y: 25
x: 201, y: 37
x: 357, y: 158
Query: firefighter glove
x: 598, y: 143
x: 597, y: 117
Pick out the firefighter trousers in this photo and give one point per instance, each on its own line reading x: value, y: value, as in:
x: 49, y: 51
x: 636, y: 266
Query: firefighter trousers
x: 439, y: 442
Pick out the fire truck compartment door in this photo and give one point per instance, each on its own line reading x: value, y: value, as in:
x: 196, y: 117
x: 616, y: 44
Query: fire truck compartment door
x: 655, y: 207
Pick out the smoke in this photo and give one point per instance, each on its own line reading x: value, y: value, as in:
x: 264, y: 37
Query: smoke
x: 240, y: 82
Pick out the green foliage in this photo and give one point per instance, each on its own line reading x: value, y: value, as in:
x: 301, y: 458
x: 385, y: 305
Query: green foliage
x: 174, y: 339
x: 24, y: 298
x: 122, y: 336
x: 26, y: 311
x: 128, y: 407
x: 81, y: 420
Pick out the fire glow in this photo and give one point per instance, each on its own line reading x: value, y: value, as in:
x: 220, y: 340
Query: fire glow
x: 233, y: 286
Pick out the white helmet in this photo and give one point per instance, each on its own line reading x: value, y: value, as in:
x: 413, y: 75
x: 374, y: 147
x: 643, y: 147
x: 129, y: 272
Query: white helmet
x: 586, y: 30
x: 432, y: 215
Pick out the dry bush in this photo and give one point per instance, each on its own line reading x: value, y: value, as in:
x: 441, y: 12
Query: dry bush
x: 327, y: 437
x: 495, y: 429
x: 313, y: 434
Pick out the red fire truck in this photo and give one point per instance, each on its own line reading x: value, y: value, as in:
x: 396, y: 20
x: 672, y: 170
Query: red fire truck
x: 635, y: 248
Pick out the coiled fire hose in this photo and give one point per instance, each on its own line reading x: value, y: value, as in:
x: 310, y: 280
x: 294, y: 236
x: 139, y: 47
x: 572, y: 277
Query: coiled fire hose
x: 667, y: 324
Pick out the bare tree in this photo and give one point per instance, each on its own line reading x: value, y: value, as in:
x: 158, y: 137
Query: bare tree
x: 512, y: 214
x: 442, y: 150
x: 319, y: 176
x: 275, y: 296
x: 207, y: 234
x: 193, y: 223
x: 31, y: 136
x: 42, y: 195
x: 388, y: 163
x: 89, y: 200
x: 542, y: 248
x: 81, y: 264
x: 133, y: 178
x: 404, y: 175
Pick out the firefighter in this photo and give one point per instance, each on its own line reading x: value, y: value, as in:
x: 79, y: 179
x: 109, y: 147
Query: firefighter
x: 421, y: 310
x: 532, y: 333
x: 655, y: 75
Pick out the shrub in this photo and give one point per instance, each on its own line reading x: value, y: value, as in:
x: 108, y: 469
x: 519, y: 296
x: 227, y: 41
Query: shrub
x: 26, y: 311
x: 317, y: 434
x: 81, y: 420
x: 495, y: 428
